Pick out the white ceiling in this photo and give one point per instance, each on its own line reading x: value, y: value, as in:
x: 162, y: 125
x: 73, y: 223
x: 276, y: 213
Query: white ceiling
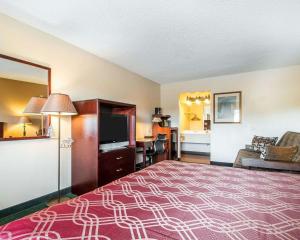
x: 173, y: 40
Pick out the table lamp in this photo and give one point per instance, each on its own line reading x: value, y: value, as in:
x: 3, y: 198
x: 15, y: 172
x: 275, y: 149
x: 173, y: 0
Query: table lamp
x: 25, y: 121
x: 156, y: 120
x: 59, y: 105
x: 34, y: 107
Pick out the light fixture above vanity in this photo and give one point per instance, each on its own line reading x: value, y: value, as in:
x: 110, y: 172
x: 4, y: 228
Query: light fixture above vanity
x: 197, y: 100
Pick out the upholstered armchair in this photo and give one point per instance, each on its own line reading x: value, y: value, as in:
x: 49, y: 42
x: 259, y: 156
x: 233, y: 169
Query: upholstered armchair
x: 252, y: 159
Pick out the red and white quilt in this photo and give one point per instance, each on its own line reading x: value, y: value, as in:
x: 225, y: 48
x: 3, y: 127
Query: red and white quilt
x: 175, y: 200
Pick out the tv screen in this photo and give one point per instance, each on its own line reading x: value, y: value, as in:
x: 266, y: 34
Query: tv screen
x: 113, y: 128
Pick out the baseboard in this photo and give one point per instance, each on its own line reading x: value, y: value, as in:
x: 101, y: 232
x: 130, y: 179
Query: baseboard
x: 19, y: 207
x: 196, y: 153
x: 224, y: 164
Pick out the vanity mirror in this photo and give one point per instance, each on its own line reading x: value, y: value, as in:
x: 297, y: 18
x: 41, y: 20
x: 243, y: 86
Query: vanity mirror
x: 24, y: 86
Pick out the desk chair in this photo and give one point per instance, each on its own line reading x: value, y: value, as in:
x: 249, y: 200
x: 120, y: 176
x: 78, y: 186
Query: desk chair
x: 139, y: 159
x: 162, y: 137
x: 159, y: 147
x: 149, y: 155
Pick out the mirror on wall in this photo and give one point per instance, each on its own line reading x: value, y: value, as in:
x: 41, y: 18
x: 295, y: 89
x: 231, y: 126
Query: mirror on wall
x: 24, y: 87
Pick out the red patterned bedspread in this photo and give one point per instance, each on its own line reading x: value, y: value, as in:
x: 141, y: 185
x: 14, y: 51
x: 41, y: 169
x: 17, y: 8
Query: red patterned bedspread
x: 175, y: 200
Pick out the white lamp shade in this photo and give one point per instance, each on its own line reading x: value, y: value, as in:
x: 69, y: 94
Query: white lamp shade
x: 59, y: 104
x: 156, y: 120
x: 35, y: 105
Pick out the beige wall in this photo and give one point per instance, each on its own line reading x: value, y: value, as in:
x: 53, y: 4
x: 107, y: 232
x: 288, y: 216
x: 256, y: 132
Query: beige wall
x: 82, y: 76
x: 270, y: 102
x: 14, y: 96
x: 79, y: 73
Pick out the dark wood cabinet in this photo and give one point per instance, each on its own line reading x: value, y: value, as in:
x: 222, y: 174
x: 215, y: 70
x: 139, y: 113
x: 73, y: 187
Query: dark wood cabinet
x: 92, y: 168
x: 1, y: 129
x: 116, y: 164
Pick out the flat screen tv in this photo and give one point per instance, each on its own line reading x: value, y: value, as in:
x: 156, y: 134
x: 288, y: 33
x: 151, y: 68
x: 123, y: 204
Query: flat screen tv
x: 113, y: 128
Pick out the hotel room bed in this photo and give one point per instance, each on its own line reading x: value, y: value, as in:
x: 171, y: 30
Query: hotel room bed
x: 175, y: 200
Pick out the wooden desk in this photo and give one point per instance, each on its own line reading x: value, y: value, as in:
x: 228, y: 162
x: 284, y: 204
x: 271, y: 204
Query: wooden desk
x: 144, y: 143
x: 148, y: 142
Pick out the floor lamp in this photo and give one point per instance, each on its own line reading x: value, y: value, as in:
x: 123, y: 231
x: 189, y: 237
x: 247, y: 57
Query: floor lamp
x: 59, y: 105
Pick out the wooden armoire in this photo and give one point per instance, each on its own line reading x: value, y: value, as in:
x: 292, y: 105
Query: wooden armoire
x: 92, y: 168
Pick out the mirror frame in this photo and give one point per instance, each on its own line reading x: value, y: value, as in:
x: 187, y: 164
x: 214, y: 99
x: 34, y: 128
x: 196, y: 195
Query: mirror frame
x: 49, y: 92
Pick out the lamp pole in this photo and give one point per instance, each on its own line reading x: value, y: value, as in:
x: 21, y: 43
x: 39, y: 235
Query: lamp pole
x: 59, y: 195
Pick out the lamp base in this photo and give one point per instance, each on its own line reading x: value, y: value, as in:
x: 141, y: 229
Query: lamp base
x: 56, y: 201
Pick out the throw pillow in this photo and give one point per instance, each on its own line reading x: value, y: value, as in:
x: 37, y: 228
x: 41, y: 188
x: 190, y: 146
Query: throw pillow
x: 250, y: 148
x: 276, y: 153
x: 259, y: 143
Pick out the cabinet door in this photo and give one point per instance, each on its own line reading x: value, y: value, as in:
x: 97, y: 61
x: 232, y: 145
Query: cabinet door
x: 116, y: 164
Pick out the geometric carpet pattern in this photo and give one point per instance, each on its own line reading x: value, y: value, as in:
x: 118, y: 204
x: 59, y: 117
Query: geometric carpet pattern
x: 27, y: 211
x: 175, y: 200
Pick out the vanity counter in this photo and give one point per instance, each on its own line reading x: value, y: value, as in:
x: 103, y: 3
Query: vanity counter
x: 195, y: 141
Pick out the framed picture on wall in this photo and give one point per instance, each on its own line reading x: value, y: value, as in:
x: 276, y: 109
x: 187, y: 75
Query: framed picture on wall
x: 228, y: 107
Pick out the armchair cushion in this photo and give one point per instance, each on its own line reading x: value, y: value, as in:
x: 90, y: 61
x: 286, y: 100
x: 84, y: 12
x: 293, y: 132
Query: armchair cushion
x: 243, y: 153
x: 277, y: 153
x: 270, y: 165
